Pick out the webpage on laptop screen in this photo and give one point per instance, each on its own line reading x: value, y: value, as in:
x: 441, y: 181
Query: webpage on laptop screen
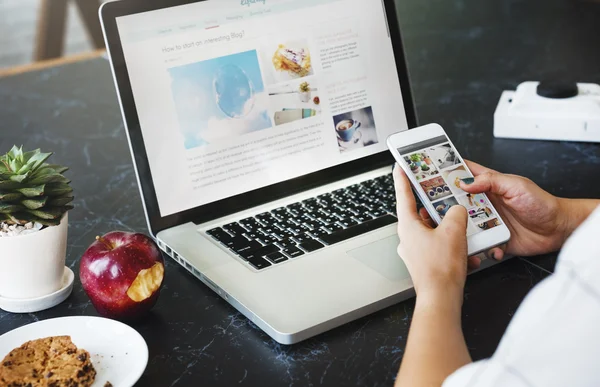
x: 235, y: 95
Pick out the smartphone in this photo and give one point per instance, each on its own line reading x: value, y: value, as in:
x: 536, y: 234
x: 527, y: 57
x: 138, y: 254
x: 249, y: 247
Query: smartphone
x: 435, y: 168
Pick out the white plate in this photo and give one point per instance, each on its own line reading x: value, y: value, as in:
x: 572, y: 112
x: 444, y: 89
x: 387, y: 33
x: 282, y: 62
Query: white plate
x: 119, y: 353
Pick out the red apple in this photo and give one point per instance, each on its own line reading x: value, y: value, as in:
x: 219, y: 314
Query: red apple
x: 122, y: 273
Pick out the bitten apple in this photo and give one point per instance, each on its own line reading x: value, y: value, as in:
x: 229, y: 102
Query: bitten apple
x: 122, y: 273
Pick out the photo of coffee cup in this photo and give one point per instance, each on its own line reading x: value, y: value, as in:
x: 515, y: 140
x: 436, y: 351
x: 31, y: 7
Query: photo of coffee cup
x: 346, y: 129
x: 355, y: 129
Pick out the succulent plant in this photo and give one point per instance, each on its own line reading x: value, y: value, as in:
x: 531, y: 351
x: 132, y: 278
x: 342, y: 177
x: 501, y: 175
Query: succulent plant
x: 304, y: 87
x: 32, y: 190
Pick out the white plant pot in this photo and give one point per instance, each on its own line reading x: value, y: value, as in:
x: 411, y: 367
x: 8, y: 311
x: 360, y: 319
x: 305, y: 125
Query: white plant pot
x: 33, y: 265
x: 305, y: 96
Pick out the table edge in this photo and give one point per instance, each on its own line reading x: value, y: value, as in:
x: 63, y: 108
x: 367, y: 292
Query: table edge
x: 10, y: 71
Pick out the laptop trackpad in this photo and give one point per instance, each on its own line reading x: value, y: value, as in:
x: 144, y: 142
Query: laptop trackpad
x: 382, y: 257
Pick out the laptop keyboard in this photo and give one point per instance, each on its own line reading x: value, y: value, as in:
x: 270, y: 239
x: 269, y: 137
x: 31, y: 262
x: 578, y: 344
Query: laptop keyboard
x: 289, y: 232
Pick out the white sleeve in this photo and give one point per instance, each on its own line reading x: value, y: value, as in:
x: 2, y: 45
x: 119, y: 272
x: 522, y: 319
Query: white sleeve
x: 485, y: 373
x: 553, y: 339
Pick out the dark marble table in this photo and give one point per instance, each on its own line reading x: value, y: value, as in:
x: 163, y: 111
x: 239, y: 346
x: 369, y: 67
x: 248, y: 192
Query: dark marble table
x: 462, y: 54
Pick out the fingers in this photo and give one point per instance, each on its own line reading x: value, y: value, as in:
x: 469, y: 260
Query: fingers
x: 489, y: 182
x: 405, y: 200
x: 496, y: 253
x: 477, y: 169
x: 426, y: 218
x: 456, y: 220
x: 473, y: 262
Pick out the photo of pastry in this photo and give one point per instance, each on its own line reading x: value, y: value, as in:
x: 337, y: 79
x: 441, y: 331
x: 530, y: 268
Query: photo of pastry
x: 444, y: 205
x: 477, y: 207
x: 444, y: 156
x: 453, y: 177
x: 421, y: 165
x: 436, y: 188
x: 286, y: 61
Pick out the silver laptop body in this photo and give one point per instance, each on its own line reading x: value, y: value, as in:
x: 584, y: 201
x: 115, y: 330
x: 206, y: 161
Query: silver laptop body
x: 360, y: 76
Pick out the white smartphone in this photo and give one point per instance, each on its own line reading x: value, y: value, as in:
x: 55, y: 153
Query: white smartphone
x: 435, y: 169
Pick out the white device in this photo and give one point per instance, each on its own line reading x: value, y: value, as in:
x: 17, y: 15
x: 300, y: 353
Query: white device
x: 282, y: 218
x: 549, y: 111
x: 435, y: 168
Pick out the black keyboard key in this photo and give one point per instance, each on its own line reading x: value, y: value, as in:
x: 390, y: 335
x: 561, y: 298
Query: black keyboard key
x: 337, y: 199
x: 289, y: 233
x: 235, y: 229
x: 276, y: 257
x: 236, y: 242
x: 266, y: 218
x: 325, y: 220
x: 296, y: 230
x: 286, y: 243
x: 267, y: 239
x: 354, y: 209
x: 279, y: 226
x: 377, y: 213
x: 369, y: 206
x: 350, y: 194
x: 259, y: 263
x: 312, y: 224
x: 310, y: 208
x: 252, y: 235
x: 326, y: 203
x: 311, y: 245
x: 334, y: 227
x: 357, y: 230
x: 292, y: 222
x: 281, y: 212
x: 324, y: 211
x: 339, y: 215
x: 219, y: 234
x: 363, y: 218
x: 293, y: 252
x: 348, y: 222
x: 250, y: 224
x: 303, y: 218
x: 295, y: 209
x: 280, y: 235
x: 259, y: 252
x: 248, y: 246
x: 266, y: 231
x: 306, y: 227
x: 318, y: 233
x: 303, y: 238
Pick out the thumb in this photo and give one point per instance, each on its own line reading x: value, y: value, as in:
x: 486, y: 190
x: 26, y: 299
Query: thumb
x: 488, y: 182
x: 455, y: 219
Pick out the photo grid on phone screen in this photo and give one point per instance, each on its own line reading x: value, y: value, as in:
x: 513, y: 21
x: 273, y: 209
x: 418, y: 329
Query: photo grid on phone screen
x: 438, y: 169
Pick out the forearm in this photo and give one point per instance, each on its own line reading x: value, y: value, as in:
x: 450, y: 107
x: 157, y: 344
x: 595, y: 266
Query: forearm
x: 436, y: 346
x: 575, y: 212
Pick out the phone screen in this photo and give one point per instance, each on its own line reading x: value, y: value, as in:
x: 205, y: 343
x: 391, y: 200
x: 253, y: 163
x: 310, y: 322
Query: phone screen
x: 438, y: 169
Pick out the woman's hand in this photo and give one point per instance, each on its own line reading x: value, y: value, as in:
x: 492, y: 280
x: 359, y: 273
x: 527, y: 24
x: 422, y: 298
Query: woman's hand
x: 538, y: 221
x: 437, y: 261
x: 436, y: 258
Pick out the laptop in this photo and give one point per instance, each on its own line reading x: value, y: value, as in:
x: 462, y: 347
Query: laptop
x: 257, y: 130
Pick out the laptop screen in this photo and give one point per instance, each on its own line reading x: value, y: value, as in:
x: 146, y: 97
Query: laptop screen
x: 236, y: 95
